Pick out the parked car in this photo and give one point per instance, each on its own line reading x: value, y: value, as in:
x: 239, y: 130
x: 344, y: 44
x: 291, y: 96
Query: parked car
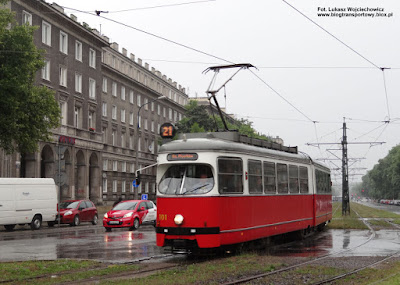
x: 130, y: 214
x: 74, y: 212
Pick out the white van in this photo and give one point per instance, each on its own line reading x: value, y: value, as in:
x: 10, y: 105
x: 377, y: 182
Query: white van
x: 27, y: 201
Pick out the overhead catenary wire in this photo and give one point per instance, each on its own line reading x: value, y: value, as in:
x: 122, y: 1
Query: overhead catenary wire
x: 283, y: 98
x: 156, y: 36
x: 329, y: 33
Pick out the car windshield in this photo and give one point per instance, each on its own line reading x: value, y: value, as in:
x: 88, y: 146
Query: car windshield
x: 125, y: 206
x: 187, y: 179
x: 69, y: 205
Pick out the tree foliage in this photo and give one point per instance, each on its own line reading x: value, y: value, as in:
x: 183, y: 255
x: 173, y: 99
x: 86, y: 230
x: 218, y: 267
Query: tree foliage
x: 28, y: 112
x: 383, y: 181
x: 198, y: 120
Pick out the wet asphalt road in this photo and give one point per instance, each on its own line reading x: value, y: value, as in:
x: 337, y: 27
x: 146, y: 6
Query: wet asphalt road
x: 121, y: 245
x: 82, y: 242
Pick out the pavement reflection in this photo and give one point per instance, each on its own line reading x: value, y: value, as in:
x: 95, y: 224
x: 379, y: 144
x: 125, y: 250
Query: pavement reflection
x: 121, y: 245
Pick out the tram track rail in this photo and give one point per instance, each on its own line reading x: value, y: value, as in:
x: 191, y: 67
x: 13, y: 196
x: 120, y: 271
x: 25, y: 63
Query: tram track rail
x: 99, y: 267
x: 318, y: 259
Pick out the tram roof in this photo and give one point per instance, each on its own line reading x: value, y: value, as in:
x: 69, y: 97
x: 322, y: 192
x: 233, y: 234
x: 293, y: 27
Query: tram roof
x: 233, y: 142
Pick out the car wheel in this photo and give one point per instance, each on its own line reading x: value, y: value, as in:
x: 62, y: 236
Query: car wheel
x: 95, y: 220
x: 36, y: 222
x: 136, y: 224
x: 50, y: 224
x: 108, y: 229
x: 76, y: 221
x: 9, y: 227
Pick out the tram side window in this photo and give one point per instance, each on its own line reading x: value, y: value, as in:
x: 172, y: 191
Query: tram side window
x: 323, y: 182
x: 230, y: 175
x: 282, y: 178
x: 269, y: 178
x: 303, y: 179
x: 255, y: 176
x: 318, y: 177
x: 293, y: 179
x: 329, y: 184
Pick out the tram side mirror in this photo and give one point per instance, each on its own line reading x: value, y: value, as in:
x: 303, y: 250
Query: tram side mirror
x: 137, y: 179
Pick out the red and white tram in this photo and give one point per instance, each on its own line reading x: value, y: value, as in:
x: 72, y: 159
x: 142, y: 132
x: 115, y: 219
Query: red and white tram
x: 220, y: 189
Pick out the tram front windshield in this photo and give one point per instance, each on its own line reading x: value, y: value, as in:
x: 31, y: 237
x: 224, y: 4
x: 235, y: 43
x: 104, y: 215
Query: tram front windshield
x: 187, y: 179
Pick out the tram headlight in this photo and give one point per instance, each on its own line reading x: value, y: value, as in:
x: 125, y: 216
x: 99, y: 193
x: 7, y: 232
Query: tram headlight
x: 178, y: 219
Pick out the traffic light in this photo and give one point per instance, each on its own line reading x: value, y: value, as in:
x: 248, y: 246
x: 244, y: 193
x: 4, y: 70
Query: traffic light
x: 137, y: 179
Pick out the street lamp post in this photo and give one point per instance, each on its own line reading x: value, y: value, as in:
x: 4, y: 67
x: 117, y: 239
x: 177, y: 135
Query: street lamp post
x: 137, y: 137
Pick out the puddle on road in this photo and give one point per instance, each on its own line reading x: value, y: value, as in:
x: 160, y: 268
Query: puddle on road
x: 343, y: 243
x: 124, y: 246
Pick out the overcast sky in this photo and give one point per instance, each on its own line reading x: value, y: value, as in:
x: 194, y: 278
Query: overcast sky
x: 316, y: 79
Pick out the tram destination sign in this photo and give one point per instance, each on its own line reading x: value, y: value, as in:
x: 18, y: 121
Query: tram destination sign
x: 182, y: 156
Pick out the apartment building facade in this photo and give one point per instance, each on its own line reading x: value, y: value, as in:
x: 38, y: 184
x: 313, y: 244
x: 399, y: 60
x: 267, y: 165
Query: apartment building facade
x: 100, y: 91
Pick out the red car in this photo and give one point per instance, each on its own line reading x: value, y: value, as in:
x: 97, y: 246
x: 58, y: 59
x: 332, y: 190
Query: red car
x: 130, y: 214
x: 74, y: 212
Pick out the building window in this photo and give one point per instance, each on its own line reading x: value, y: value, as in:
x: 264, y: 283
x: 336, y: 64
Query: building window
x: 113, y: 134
x: 46, y: 70
x: 46, y: 33
x: 63, y: 42
x: 105, y: 164
x: 158, y: 109
x: 91, y: 120
x: 123, y: 93
x: 122, y: 116
x: 92, y: 58
x: 104, y: 185
x: 152, y: 126
x: 131, y: 145
x: 114, y: 89
x: 92, y: 88
x: 123, y: 143
x: 115, y: 165
x: 123, y: 186
x: 138, y: 100
x: 131, y: 118
x: 115, y: 184
x: 77, y: 117
x: 63, y: 76
x: 131, y: 97
x: 104, y: 84
x: 78, y: 50
x: 104, y: 113
x: 26, y: 18
x: 78, y: 82
x: 114, y: 112
x: 63, y: 108
x: 124, y: 166
x: 146, y: 106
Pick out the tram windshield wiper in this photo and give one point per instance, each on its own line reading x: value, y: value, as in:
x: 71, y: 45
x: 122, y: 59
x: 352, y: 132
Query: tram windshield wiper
x: 197, y: 188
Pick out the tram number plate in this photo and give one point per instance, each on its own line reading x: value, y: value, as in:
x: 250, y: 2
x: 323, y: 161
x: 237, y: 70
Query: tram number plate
x: 113, y: 222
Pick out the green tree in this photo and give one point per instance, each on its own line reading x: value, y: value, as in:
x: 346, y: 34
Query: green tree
x: 383, y: 181
x: 198, y: 120
x: 28, y: 112
x: 195, y: 114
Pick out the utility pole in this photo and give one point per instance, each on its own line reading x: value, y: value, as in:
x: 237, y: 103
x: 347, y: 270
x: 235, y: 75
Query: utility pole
x: 345, y: 174
x: 345, y: 165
